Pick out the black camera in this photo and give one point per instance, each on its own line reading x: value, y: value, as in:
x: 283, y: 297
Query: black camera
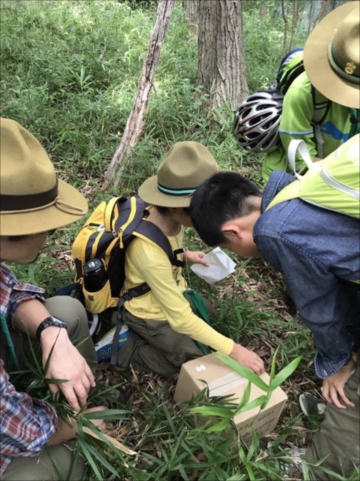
x: 94, y: 275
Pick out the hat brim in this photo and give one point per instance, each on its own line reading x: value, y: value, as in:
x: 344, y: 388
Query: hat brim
x: 27, y: 223
x: 317, y: 65
x: 150, y: 193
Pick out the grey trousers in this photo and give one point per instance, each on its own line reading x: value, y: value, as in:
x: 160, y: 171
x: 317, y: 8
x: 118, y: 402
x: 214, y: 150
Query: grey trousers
x: 42, y: 467
x: 339, y: 435
x: 155, y: 346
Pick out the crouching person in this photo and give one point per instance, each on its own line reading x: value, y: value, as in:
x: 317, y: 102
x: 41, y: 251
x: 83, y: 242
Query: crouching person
x: 32, y: 203
x: 317, y: 252
x: 164, y: 326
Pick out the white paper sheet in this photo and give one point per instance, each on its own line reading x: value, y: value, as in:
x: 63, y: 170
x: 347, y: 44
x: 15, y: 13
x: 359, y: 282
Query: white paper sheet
x: 221, y: 265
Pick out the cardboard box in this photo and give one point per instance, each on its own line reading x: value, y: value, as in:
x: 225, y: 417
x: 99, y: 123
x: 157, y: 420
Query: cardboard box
x: 221, y: 381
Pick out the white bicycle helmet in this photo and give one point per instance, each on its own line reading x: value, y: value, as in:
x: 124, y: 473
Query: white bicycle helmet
x: 257, y: 120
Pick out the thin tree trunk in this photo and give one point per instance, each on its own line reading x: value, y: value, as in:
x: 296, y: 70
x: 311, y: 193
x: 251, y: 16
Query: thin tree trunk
x: 135, y: 121
x: 294, y: 23
x: 283, y: 11
x: 326, y: 7
x: 221, y: 63
x: 191, y: 8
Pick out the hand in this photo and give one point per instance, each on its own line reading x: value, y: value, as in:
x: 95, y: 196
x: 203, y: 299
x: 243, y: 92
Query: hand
x: 333, y: 387
x: 66, y: 363
x: 66, y: 430
x: 247, y: 358
x: 196, y: 258
x: 99, y: 423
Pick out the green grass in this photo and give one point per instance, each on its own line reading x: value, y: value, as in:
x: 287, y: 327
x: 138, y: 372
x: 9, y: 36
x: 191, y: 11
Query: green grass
x: 69, y: 72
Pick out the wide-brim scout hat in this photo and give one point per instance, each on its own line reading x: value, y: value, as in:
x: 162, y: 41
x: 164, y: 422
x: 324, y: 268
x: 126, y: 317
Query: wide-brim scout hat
x: 186, y: 166
x: 32, y: 198
x: 332, y: 55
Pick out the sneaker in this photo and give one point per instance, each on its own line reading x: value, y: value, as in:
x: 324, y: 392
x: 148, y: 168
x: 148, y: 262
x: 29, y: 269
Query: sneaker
x: 293, y: 468
x: 311, y: 406
x: 104, y: 346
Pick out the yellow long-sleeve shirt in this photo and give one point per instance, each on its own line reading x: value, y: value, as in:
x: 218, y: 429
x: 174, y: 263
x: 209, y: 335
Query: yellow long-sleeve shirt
x: 145, y: 262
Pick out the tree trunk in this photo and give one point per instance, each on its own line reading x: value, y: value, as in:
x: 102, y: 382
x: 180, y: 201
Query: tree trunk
x: 221, y: 63
x: 294, y: 23
x: 135, y: 121
x: 283, y: 11
x: 191, y: 13
x: 262, y: 10
x: 326, y: 7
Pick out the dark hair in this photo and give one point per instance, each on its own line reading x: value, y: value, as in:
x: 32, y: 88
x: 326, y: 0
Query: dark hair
x: 17, y: 238
x: 165, y: 210
x: 224, y: 196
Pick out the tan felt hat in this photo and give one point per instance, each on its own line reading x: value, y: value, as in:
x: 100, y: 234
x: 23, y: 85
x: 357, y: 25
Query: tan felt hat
x: 332, y: 55
x: 32, y: 199
x: 184, y: 168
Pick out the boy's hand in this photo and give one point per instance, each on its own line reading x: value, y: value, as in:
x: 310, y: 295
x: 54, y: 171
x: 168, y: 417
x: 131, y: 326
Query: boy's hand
x: 247, y: 358
x: 195, y: 258
x: 333, y: 387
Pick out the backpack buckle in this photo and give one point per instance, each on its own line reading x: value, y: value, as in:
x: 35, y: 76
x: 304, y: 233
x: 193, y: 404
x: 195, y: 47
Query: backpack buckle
x: 127, y: 297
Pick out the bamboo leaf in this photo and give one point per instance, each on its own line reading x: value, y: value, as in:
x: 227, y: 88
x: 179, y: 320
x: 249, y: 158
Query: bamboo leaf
x: 219, y: 411
x: 243, y: 371
x: 46, y: 367
x: 49, y: 380
x: 252, y: 405
x: 273, y: 365
x: 218, y: 426
x: 108, y: 414
x: 246, y: 396
x: 102, y: 460
x: 116, y: 444
x: 250, y: 472
x: 285, y: 373
x: 254, y: 447
x: 90, y: 459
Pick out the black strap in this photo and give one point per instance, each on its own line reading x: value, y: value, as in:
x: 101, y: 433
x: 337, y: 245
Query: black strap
x: 137, y: 291
x: 328, y: 105
x: 354, y: 120
x: 152, y: 232
x: 78, y: 267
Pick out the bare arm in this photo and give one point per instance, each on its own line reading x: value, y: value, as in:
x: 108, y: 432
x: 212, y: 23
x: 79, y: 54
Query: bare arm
x: 66, y: 361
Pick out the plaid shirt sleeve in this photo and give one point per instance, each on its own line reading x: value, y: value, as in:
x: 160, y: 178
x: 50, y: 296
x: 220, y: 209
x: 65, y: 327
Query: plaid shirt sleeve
x: 13, y: 293
x: 26, y: 423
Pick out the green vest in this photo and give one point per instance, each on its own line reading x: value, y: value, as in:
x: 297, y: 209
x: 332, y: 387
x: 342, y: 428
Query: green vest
x: 332, y: 183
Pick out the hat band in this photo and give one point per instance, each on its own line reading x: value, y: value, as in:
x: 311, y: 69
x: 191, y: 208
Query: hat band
x: 15, y: 203
x: 344, y: 73
x: 176, y: 192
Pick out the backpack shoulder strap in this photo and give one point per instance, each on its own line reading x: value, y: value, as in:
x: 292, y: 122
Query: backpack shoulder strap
x: 149, y: 231
x: 320, y: 111
x: 109, y: 213
x: 321, y: 107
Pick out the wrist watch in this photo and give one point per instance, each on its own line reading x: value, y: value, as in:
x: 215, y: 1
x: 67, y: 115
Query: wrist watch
x: 49, y: 322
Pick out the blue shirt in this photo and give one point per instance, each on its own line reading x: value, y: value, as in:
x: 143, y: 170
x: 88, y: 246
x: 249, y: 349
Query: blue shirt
x: 314, y: 248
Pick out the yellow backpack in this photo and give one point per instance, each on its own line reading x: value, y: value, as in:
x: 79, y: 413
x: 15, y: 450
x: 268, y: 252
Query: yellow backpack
x: 99, y: 253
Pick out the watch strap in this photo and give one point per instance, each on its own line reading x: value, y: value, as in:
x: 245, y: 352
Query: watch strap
x: 49, y: 322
